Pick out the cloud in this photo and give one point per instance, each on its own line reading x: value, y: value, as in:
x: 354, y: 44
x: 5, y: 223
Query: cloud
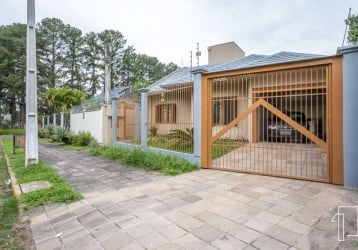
x: 169, y: 30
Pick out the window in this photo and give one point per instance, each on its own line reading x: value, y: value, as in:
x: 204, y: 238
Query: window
x: 224, y: 111
x: 165, y: 113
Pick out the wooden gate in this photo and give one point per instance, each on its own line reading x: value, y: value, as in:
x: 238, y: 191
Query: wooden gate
x: 274, y: 122
x: 125, y: 120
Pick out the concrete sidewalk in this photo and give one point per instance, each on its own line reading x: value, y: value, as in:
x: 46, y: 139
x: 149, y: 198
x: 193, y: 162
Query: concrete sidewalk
x: 206, y: 209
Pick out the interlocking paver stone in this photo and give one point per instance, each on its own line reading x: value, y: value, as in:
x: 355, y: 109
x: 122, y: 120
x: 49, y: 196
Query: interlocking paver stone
x: 207, y: 233
x: 304, y: 218
x: 50, y: 243
x: 188, y: 223
x: 33, y: 186
x: 207, y: 216
x: 245, y: 234
x: 228, y: 242
x: 190, y: 241
x: 104, y: 231
x: 294, y: 226
x: 223, y: 224
x: 258, y: 224
x: 171, y: 246
x: 282, y: 234
x: 139, y: 230
x: 116, y: 241
x: 269, y: 217
x: 268, y: 243
x: 153, y: 240
x: 173, y: 232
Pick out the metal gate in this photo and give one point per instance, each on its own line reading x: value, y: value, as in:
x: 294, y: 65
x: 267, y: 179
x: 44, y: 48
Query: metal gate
x: 272, y: 123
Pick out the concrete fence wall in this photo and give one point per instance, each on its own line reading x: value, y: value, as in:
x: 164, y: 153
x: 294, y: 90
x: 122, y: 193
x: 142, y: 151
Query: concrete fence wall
x: 89, y: 122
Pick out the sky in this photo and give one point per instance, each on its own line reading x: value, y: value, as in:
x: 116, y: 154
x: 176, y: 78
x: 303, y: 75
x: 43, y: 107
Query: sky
x: 170, y: 29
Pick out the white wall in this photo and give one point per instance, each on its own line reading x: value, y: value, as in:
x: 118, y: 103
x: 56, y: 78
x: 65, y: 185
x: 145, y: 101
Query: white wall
x: 90, y: 122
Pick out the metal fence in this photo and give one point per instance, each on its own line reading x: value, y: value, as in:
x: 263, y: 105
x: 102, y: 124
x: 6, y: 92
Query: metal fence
x: 170, y: 118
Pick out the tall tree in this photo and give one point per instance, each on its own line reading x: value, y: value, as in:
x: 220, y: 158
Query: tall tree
x: 50, y: 45
x: 116, y: 42
x: 150, y: 69
x: 92, y: 63
x: 12, y: 71
x: 72, y: 58
x: 67, y: 58
x: 352, y: 22
x: 142, y: 68
x: 128, y: 68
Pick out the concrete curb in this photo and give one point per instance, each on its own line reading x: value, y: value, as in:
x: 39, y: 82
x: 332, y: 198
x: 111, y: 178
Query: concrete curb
x: 14, y: 186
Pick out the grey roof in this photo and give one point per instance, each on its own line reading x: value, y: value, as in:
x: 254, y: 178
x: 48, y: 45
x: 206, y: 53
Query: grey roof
x: 116, y: 92
x: 184, y: 75
x: 180, y: 76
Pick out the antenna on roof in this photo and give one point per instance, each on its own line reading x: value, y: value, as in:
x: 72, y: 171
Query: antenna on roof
x: 198, y: 53
x: 345, y: 31
x: 191, y: 59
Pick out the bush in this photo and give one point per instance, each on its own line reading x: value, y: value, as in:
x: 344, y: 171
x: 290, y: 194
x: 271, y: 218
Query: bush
x: 49, y: 130
x: 42, y: 133
x: 83, y: 139
x: 71, y: 139
x: 183, y: 139
x: 61, y: 134
x: 153, y: 131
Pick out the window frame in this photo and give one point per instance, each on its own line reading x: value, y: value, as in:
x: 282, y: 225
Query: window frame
x: 165, y: 113
x: 223, y: 115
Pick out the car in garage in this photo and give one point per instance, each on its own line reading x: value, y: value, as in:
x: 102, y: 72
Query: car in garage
x: 280, y: 131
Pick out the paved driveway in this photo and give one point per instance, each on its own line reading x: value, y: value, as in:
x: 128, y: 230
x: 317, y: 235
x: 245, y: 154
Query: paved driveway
x: 206, y: 209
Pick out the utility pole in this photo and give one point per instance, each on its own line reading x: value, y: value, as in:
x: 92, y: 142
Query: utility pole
x: 31, y: 151
x: 107, y: 74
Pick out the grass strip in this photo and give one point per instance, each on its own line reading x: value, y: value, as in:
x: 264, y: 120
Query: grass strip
x: 165, y: 164
x: 9, y: 210
x: 12, y: 131
x: 60, y: 190
x: 62, y: 144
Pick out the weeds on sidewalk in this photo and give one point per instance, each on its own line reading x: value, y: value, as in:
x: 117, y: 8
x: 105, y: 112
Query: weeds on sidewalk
x: 168, y: 165
x: 60, y: 190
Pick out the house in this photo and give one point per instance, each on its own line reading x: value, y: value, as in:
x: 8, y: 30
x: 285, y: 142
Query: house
x: 171, y: 98
x: 278, y: 115
x: 95, y: 116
